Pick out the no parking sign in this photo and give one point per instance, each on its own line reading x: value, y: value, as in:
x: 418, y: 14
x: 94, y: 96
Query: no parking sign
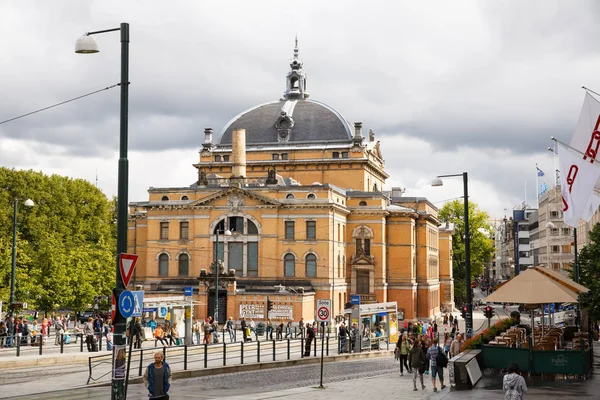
x: 323, y: 310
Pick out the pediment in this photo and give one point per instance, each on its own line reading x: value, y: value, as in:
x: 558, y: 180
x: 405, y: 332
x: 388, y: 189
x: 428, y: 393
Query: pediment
x: 235, y: 198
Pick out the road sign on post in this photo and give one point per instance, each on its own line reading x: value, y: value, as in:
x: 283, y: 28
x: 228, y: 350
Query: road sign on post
x: 355, y: 299
x: 127, y: 266
x: 126, y: 304
x: 188, y: 291
x: 323, y: 310
x: 138, y: 303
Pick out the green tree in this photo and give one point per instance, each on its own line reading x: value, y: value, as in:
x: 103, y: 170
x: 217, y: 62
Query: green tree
x: 482, y: 246
x: 589, y: 274
x: 65, y: 243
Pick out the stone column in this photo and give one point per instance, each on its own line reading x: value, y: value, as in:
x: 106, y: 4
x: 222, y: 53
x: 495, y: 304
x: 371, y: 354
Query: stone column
x: 238, y: 153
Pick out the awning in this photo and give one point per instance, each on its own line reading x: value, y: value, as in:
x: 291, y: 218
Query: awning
x: 532, y: 287
x: 560, y: 278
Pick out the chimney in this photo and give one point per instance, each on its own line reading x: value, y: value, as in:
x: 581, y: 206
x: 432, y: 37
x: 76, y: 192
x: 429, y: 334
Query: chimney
x: 238, y: 153
x: 207, y: 135
x: 358, y: 130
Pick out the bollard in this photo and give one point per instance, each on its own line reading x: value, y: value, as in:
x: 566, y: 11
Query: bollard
x: 100, y: 342
x: 241, y: 352
x: 80, y: 344
x: 62, y: 343
x: 41, y: 344
x: 315, y: 345
x: 185, y: 356
x: 141, y: 362
x: 257, y: 351
x: 205, y: 355
x: 164, y: 353
x: 327, y: 350
x: 288, y: 349
x: 274, y: 350
x: 224, y: 353
x: 18, y: 346
x: 302, y: 347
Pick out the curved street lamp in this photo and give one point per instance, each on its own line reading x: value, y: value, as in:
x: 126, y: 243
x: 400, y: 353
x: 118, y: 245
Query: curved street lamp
x: 437, y: 181
x: 13, y: 275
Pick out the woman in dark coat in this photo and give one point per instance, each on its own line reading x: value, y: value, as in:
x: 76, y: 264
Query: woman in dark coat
x: 310, y: 335
x: 417, y: 361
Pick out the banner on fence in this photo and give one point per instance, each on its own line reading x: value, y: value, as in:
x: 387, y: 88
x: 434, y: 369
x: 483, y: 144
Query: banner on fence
x: 282, y: 311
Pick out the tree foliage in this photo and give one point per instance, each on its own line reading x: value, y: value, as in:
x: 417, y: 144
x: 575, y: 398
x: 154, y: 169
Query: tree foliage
x: 482, y: 246
x: 589, y: 274
x: 65, y: 243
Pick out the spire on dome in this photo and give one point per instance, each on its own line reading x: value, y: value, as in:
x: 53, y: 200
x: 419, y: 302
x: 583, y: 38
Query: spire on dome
x: 296, y: 77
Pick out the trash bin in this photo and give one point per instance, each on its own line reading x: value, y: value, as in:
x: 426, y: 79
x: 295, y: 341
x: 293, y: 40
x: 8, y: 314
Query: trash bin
x: 260, y: 328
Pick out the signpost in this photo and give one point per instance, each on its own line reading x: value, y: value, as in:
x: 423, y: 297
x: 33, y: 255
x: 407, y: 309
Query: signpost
x: 188, y: 291
x: 138, y: 303
x: 126, y: 304
x: 127, y: 264
x: 355, y: 299
x: 323, y: 315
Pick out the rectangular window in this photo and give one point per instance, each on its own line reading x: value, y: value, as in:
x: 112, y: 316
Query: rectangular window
x: 236, y: 257
x: 164, y: 231
x: 566, y: 231
x: 523, y: 240
x: 284, y: 156
x: 367, y: 247
x: 289, y: 230
x: 524, y: 227
x: 554, y: 249
x: 566, y: 249
x: 217, y: 158
x: 226, y: 158
x: 335, y: 154
x: 184, y: 228
x: 524, y: 254
x: 311, y: 229
x: 252, y: 259
x: 554, y: 214
x: 358, y: 246
x: 556, y: 266
x: 554, y: 232
x: 236, y: 224
x: 275, y: 156
x: 220, y: 252
x: 344, y: 154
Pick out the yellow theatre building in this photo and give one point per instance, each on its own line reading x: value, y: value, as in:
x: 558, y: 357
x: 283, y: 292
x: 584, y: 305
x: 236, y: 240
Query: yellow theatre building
x: 289, y: 198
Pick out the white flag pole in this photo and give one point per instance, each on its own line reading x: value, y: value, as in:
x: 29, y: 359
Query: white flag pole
x: 574, y: 149
x: 537, y: 186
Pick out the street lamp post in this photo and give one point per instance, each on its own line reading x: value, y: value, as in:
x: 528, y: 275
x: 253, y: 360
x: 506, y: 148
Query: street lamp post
x: 13, y: 275
x: 87, y: 45
x: 469, y: 316
x: 217, y: 268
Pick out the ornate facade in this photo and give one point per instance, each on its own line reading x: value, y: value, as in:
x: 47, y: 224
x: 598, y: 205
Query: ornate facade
x: 289, y: 198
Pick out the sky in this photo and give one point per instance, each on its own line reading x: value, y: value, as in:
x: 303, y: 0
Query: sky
x: 447, y: 87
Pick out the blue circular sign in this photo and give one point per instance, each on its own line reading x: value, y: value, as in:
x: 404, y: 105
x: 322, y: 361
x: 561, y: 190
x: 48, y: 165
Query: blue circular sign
x: 126, y: 304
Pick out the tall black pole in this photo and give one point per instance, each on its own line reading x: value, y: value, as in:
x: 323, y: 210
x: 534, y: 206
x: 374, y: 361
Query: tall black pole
x: 13, y: 275
x: 119, y: 391
x: 578, y: 320
x: 469, y: 316
x: 216, y: 314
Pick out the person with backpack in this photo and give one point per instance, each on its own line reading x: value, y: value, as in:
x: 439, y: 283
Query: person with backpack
x: 438, y: 362
x: 417, y: 362
x: 403, y: 347
x: 513, y: 383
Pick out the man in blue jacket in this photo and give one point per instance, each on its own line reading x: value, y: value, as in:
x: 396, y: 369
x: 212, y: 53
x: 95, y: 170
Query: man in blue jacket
x: 157, y: 377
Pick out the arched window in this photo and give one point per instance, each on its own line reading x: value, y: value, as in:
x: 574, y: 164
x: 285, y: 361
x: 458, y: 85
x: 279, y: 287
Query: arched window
x: 289, y: 196
x: 163, y: 265
x: 311, y: 266
x: 289, y: 262
x: 184, y: 198
x: 184, y: 265
x: 311, y: 196
x: 165, y: 198
x: 362, y: 203
x: 252, y: 229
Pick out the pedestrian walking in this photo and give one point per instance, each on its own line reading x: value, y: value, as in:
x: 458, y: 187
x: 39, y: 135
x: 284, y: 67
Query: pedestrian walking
x: 342, y: 335
x: 438, y: 361
x: 310, y: 335
x: 279, y: 335
x: 288, y: 329
x: 196, y: 329
x: 269, y: 329
x: 244, y: 326
x: 300, y: 328
x: 157, y: 378
x: 417, y: 362
x: 403, y: 348
x: 90, y: 338
x: 230, y: 330
x: 513, y: 383
x: 455, y: 346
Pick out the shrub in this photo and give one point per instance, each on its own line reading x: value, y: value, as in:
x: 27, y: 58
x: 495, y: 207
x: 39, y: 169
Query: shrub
x: 487, y: 334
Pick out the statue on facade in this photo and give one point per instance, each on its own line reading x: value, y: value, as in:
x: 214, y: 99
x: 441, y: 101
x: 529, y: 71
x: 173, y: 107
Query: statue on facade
x: 271, y: 176
x: 202, y: 179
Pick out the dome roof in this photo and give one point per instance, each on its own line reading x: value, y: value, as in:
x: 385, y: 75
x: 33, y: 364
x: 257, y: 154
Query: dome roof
x: 289, y: 120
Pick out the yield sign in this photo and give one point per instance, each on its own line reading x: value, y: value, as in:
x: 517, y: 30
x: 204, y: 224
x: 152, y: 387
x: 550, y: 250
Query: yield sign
x: 126, y: 266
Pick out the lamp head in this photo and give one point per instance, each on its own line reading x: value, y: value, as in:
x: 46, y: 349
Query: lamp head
x: 549, y: 225
x: 29, y: 203
x: 86, y: 45
x: 437, y: 182
x: 227, y: 232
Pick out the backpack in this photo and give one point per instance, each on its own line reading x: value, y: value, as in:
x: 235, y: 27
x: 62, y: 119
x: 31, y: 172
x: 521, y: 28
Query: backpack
x: 440, y: 359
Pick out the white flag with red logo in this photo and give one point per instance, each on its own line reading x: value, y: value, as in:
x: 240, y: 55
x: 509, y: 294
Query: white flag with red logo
x: 577, y: 180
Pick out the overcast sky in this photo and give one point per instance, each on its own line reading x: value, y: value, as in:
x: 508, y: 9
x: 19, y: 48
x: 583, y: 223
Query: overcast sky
x: 447, y: 87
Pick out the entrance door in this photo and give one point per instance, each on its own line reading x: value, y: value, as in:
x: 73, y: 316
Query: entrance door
x: 362, y: 282
x: 222, y: 305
